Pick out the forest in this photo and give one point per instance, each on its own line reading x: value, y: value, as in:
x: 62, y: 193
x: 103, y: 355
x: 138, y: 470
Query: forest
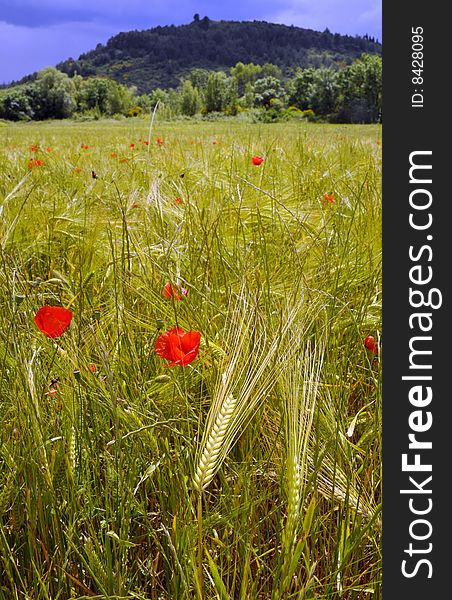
x: 255, y: 93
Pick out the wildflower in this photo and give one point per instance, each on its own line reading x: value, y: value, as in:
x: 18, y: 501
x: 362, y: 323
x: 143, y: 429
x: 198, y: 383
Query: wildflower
x: 132, y: 145
x: 257, y: 160
x: 53, y: 389
x: 35, y: 163
x: 48, y: 149
x: 34, y: 148
x: 123, y: 159
x: 92, y: 368
x: 85, y: 147
x: 159, y: 141
x: 172, y: 291
x: 370, y: 344
x: 146, y: 142
x: 178, y: 200
x: 52, y: 321
x: 178, y: 346
x: 77, y: 170
x: 114, y: 155
x: 329, y: 199
x: 135, y: 205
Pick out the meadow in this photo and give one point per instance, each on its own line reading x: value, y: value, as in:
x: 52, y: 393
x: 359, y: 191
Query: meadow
x: 251, y: 468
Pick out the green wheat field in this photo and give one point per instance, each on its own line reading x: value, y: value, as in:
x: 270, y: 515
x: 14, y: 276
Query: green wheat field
x: 254, y: 471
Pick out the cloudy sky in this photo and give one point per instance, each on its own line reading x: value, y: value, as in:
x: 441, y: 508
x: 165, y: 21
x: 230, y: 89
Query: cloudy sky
x: 38, y: 33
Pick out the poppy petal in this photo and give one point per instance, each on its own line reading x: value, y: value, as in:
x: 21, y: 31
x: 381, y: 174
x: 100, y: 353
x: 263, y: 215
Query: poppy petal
x: 178, y: 346
x: 52, y: 321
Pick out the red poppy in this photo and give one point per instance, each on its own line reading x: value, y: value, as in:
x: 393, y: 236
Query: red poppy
x: 330, y: 199
x: 178, y: 200
x: 145, y: 142
x: 172, y: 291
x: 92, y: 368
x: 35, y: 163
x: 178, y: 346
x: 48, y: 149
x: 34, y: 148
x: 114, y: 155
x: 371, y: 344
x: 132, y: 145
x: 135, y: 205
x: 85, y: 147
x: 52, y: 321
x: 159, y: 141
x: 257, y: 160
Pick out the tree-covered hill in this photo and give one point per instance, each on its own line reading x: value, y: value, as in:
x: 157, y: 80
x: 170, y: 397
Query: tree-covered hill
x: 159, y: 57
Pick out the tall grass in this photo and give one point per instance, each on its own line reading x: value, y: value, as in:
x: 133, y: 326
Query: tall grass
x: 253, y: 472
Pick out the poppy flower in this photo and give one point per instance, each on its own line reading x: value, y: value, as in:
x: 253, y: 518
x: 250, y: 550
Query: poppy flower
x: 85, y: 147
x: 135, y: 205
x: 114, y: 155
x: 329, y: 199
x: 178, y: 200
x: 371, y: 344
x: 52, y: 391
x: 257, y: 160
x: 159, y: 141
x: 172, y: 291
x: 52, y: 321
x: 178, y: 346
x: 132, y: 145
x: 92, y: 368
x: 35, y: 163
x: 34, y: 148
x: 48, y: 149
x: 146, y: 142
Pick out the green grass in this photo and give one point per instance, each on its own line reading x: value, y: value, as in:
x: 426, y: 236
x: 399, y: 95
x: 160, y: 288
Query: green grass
x: 255, y: 471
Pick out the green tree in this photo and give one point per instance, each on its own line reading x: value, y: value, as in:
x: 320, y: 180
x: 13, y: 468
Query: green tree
x: 215, y: 96
x: 94, y: 95
x: 245, y: 74
x: 190, y: 99
x: 360, y: 93
x: 300, y: 89
x: 15, y: 105
x: 323, y: 93
x: 198, y: 78
x: 54, y: 95
x: 268, y: 90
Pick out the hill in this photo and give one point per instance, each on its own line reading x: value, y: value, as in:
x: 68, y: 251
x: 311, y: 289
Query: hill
x: 159, y: 57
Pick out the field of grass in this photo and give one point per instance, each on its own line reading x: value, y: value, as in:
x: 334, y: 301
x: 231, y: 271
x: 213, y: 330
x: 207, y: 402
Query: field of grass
x: 252, y: 473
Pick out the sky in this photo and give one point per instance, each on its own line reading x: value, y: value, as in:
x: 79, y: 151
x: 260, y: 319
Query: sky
x: 39, y: 33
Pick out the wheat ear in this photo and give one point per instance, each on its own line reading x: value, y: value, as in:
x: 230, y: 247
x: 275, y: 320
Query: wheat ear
x: 209, y: 458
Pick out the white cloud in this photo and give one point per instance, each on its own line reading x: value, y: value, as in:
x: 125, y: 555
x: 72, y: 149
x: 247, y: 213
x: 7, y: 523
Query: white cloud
x: 340, y: 16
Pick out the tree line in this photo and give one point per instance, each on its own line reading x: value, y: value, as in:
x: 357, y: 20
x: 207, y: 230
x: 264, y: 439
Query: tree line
x: 347, y: 94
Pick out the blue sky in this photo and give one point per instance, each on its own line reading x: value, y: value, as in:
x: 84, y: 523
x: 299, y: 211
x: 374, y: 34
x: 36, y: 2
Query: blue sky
x: 38, y: 33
